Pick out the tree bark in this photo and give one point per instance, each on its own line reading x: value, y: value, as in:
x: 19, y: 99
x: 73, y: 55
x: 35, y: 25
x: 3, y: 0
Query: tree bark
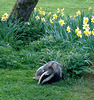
x: 22, y: 10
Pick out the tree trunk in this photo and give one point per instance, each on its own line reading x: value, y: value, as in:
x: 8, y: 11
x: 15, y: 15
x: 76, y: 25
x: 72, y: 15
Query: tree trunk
x: 22, y: 10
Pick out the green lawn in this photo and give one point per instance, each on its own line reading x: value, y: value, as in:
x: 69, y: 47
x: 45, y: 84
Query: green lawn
x: 71, y: 6
x: 19, y: 85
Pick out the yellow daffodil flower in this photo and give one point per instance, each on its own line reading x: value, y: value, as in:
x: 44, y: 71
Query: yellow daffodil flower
x: 49, y: 13
x: 55, y: 16
x: 87, y: 32
x: 78, y: 13
x: 28, y: 23
x: 42, y: 12
x: 92, y: 19
x: 34, y: 9
x: 92, y: 32
x: 89, y: 8
x: 5, y: 15
x: 70, y: 16
x: 58, y: 10
x: 51, y: 21
x: 62, y: 10
x: 62, y: 14
x: 43, y: 19
x: 3, y: 19
x: 74, y: 16
x: 37, y: 17
x: 68, y: 29
x: 79, y: 34
x: 85, y: 20
x: 76, y: 30
x: 40, y: 8
x: 61, y: 22
x: 85, y: 26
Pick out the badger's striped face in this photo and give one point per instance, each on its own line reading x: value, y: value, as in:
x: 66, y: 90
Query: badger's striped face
x: 45, y: 77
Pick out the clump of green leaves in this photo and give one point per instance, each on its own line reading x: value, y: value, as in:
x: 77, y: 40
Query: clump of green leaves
x: 20, y: 33
x: 40, y: 41
x: 37, y: 53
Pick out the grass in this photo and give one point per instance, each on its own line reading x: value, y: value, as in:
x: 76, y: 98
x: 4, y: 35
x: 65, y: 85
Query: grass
x: 71, y: 6
x: 18, y: 84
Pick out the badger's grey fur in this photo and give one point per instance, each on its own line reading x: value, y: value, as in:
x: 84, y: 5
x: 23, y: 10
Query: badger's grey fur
x: 48, y: 73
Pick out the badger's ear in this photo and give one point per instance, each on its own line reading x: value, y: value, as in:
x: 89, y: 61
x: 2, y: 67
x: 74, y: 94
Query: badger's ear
x: 45, y: 77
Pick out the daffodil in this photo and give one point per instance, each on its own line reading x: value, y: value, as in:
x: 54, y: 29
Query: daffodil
x: 49, y: 13
x: 76, y: 30
x: 42, y: 12
x: 85, y: 26
x: 68, y: 29
x: 62, y: 10
x: 37, y: 17
x: 55, y: 16
x: 74, y: 16
x: 85, y: 20
x: 34, y: 9
x: 40, y: 8
x: 92, y: 32
x: 3, y: 19
x: 28, y: 23
x: 61, y: 22
x: 43, y: 19
x: 78, y: 13
x: 89, y: 8
x: 70, y: 16
x: 87, y: 32
x: 79, y: 34
x: 5, y: 15
x: 58, y: 10
x: 92, y: 19
x: 51, y: 21
x: 62, y: 14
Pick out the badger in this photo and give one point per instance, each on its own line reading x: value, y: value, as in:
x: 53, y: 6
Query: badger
x: 49, y: 73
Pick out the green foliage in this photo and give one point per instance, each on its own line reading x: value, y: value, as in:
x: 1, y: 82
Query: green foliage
x: 74, y: 61
x: 76, y: 64
x: 40, y: 41
x: 12, y: 59
x: 18, y: 33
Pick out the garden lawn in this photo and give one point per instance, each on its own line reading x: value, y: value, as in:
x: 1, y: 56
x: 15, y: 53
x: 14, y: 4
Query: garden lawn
x: 71, y: 6
x: 19, y: 85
